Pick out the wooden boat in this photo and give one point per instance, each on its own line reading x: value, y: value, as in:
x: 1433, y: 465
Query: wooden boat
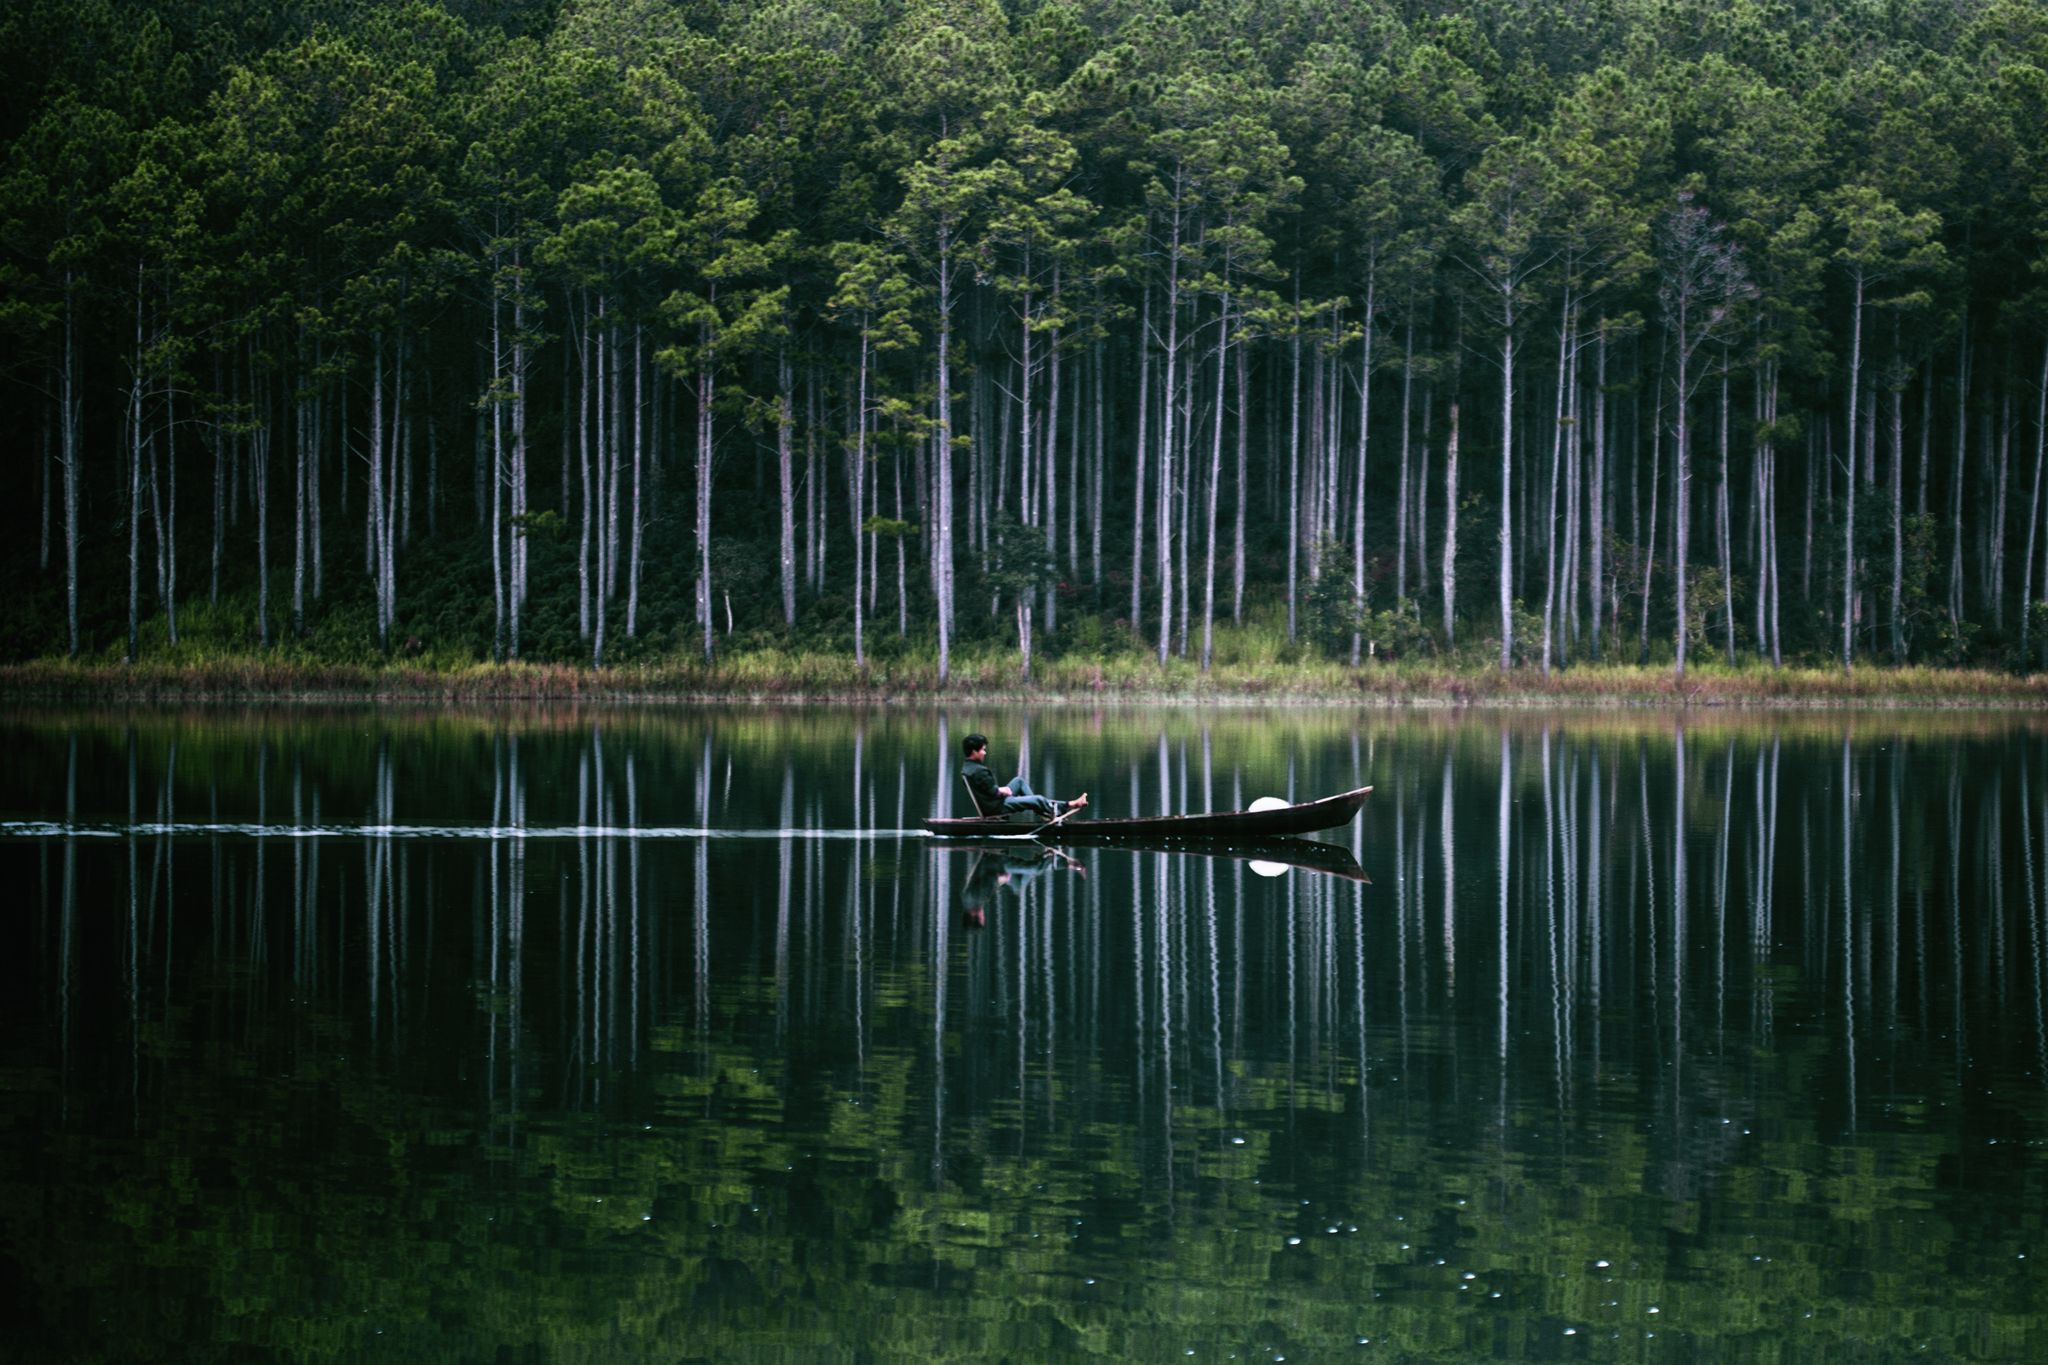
x: 1303, y: 817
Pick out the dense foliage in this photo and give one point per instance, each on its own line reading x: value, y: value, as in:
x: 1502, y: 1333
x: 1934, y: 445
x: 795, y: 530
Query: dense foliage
x: 603, y: 330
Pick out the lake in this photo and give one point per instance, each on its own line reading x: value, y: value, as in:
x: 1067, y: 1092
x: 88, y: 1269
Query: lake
x: 637, y: 1033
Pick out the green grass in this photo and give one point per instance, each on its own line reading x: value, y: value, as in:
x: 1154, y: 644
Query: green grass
x: 1254, y: 662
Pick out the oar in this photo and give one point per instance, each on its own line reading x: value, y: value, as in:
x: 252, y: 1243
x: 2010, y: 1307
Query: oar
x: 1056, y: 820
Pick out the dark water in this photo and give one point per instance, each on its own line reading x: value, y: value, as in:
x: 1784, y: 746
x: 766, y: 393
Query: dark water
x: 654, y: 1035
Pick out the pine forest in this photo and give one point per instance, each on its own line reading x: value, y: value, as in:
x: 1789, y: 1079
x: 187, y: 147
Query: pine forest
x: 600, y: 332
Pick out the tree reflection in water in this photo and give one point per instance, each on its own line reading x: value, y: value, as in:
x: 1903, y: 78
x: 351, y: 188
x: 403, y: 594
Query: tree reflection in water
x: 655, y: 1032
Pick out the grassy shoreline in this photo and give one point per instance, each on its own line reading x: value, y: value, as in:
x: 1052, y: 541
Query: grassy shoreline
x: 776, y: 676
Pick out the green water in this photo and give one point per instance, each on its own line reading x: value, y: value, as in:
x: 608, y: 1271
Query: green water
x: 664, y: 1035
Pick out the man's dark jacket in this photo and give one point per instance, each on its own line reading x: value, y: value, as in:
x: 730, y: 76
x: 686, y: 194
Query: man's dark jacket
x: 984, y: 784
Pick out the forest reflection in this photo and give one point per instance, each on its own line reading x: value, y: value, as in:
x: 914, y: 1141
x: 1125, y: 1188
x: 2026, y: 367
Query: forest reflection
x: 1603, y: 893
x: 1662, y: 956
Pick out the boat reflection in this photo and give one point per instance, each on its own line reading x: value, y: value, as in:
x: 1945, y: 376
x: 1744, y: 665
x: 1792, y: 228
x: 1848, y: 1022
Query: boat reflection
x: 1014, y: 865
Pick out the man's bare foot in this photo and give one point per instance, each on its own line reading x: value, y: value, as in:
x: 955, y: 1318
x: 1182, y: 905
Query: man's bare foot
x: 1078, y: 802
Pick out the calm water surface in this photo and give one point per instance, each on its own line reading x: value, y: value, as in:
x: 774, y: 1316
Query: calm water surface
x: 662, y: 1034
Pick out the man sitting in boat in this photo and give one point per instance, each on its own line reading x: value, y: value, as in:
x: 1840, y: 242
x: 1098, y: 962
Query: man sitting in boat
x: 991, y: 799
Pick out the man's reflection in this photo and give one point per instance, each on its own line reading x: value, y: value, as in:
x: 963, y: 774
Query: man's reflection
x: 1014, y: 868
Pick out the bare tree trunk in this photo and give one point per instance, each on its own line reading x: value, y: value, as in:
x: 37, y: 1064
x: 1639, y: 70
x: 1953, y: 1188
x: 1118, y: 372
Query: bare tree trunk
x: 1849, y: 486
x: 707, y: 377
x: 1099, y: 464
x: 2034, y: 511
x: 1422, y: 502
x: 603, y: 491
x: 1244, y: 422
x: 134, y: 443
x: 585, y: 484
x: 1215, y: 481
x: 615, y: 460
x: 302, y: 440
x: 497, y: 476
x: 1998, y: 513
x: 1898, y: 513
x: 1650, y: 529
x: 1451, y: 525
x: 1681, y: 481
x: 1574, y: 522
x: 1401, y: 494
x: 1964, y: 364
x: 942, y: 465
x: 1166, y: 465
x: 1294, y: 469
x: 259, y: 474
x: 46, y: 470
x: 1726, y: 527
x: 1051, y: 485
x: 1138, y: 499
x: 785, y: 468
x: 1364, y: 431
x: 1596, y: 528
x: 170, y: 520
x: 1507, y: 487
x: 1564, y: 351
x: 516, y: 598
x: 68, y: 405
x: 639, y: 502
x: 902, y: 555
x: 855, y: 483
x: 1926, y: 429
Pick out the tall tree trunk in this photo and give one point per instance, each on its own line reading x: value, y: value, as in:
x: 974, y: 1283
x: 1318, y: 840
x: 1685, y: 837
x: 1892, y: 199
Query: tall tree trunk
x: 1507, y: 486
x: 1422, y: 501
x: 1596, y: 527
x: 1099, y: 467
x: 1215, y: 481
x: 1898, y: 513
x: 134, y: 425
x: 1681, y: 482
x: 1166, y: 464
x: 68, y: 406
x: 785, y: 468
x: 1964, y: 364
x: 1138, y: 498
x: 1244, y: 422
x: 1364, y: 431
x: 639, y: 501
x: 2034, y: 511
x: 1849, y: 486
x: 1998, y: 513
x: 1650, y: 526
x: 585, y: 484
x: 1051, y: 484
x: 1401, y: 494
x: 706, y: 386
x: 1725, y: 526
x: 517, y: 597
x: 170, y: 521
x: 302, y: 441
x: 1294, y: 510
x: 1451, y: 525
x: 855, y: 485
x: 259, y: 475
x: 46, y: 476
x: 497, y: 473
x: 1564, y: 351
x: 942, y: 463
x: 615, y: 458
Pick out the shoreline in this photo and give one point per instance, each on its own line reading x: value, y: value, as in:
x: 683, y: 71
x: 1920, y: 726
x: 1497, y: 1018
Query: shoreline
x: 827, y: 680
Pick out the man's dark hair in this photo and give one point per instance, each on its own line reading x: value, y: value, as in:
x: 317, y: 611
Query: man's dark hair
x: 973, y: 742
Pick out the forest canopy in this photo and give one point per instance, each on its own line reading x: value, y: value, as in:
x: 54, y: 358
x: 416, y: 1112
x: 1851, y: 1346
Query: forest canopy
x: 604, y: 330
